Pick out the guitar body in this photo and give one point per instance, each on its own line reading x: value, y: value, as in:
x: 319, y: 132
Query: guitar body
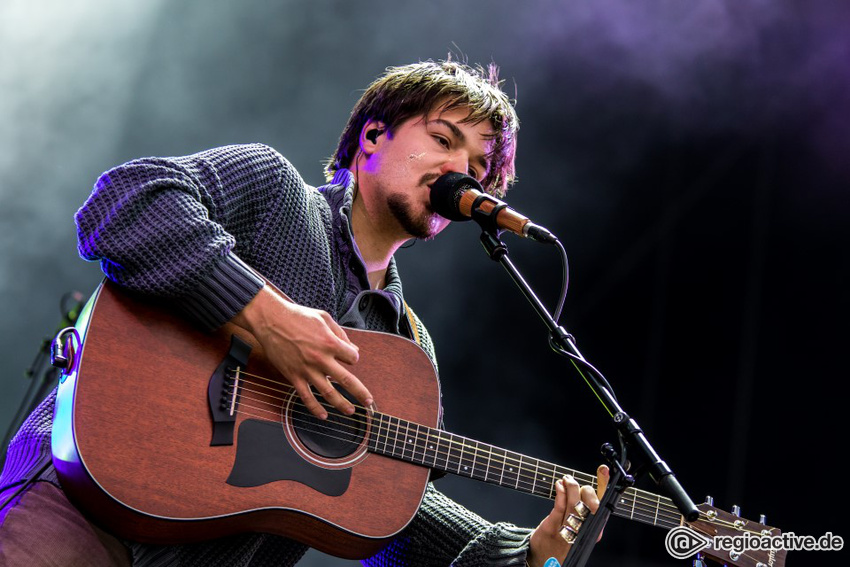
x: 132, y: 438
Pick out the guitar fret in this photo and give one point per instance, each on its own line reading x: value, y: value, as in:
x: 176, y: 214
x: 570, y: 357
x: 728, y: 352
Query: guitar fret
x: 464, y: 459
x: 429, y: 446
x: 510, y: 475
x: 379, y: 435
x: 534, y: 482
x: 405, y: 440
x: 408, y: 442
x: 477, y: 464
x: 552, y: 484
x: 658, y: 505
x: 519, y: 471
x: 500, y: 462
x: 415, y: 445
x: 458, y: 450
x: 375, y: 438
x: 441, y: 444
x: 386, y: 435
x: 395, y: 436
x: 386, y: 427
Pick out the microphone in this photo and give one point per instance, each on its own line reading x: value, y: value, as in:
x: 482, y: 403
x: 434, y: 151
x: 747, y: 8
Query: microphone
x: 459, y: 197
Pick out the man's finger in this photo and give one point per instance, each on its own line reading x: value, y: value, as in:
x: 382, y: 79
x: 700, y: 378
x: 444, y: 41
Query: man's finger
x: 351, y: 384
x: 602, y: 476
x: 552, y: 523
x: 310, y: 402
x: 573, y: 494
x: 332, y: 396
x: 588, y: 496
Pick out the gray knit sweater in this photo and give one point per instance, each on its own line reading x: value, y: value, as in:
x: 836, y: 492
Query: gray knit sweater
x: 198, y: 231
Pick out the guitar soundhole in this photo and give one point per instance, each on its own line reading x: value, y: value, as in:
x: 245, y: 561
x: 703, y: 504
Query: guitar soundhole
x: 335, y: 437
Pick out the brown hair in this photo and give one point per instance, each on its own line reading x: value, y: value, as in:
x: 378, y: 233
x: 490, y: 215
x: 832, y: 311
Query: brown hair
x: 416, y: 89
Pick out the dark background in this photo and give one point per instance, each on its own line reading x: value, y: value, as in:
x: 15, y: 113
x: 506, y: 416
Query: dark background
x: 691, y: 156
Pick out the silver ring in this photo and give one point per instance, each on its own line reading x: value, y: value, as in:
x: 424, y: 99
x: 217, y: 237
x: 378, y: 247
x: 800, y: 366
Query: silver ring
x: 574, y: 522
x: 568, y: 533
x: 582, y: 510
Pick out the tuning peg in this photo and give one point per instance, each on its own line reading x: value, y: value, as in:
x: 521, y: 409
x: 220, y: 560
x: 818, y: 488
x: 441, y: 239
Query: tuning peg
x: 736, y: 510
x: 763, y: 519
x: 709, y: 500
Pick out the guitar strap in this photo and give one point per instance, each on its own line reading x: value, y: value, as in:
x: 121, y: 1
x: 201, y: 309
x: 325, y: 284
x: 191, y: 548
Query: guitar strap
x: 412, y: 323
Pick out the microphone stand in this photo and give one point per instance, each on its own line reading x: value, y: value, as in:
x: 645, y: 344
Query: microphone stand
x: 627, y: 428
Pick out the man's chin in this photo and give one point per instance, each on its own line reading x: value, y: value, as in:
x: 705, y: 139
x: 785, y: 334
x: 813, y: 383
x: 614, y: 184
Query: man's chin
x: 422, y: 232
x: 424, y: 227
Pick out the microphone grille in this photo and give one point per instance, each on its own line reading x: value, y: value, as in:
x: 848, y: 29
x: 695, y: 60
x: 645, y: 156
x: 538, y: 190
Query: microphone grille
x: 447, y: 191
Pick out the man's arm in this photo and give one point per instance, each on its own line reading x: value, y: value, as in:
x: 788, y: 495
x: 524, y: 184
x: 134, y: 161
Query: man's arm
x: 170, y: 227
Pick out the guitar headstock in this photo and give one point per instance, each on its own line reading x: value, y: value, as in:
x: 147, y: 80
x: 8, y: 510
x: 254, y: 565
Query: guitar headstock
x: 740, y: 537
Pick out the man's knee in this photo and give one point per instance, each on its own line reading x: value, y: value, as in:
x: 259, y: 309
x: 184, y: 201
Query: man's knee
x: 43, y: 529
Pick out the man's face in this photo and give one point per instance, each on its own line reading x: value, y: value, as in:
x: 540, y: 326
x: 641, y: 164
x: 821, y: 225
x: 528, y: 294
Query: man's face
x: 406, y: 162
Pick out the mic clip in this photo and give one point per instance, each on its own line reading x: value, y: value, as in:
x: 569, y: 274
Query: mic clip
x: 487, y: 219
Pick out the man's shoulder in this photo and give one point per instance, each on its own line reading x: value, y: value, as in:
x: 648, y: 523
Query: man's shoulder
x: 257, y: 161
x: 253, y: 154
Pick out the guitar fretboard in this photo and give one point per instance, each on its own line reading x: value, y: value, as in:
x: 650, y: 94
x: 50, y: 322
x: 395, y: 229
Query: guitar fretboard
x: 444, y: 451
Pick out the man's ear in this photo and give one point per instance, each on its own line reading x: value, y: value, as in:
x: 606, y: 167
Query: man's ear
x: 370, y: 136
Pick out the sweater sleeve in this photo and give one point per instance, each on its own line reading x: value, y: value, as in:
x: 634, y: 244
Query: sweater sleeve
x: 173, y: 227
x: 445, y: 533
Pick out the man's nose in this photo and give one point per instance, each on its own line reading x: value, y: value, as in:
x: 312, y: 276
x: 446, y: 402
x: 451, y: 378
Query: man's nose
x: 457, y: 162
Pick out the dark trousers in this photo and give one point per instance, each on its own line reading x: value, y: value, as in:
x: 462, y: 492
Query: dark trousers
x: 43, y: 529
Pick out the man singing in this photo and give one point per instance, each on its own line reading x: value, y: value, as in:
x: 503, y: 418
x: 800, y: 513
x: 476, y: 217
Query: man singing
x: 205, y: 232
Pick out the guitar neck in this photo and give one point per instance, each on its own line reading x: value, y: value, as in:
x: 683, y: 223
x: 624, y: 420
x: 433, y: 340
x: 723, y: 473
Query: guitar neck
x: 458, y: 455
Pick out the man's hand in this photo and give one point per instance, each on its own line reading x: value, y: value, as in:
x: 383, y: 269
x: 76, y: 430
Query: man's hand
x: 546, y: 541
x: 308, y: 347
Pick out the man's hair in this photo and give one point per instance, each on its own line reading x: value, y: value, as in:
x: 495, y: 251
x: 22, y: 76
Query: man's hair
x: 417, y: 89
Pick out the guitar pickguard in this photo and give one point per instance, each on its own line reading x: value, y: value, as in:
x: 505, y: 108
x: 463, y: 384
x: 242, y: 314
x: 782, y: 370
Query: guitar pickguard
x: 264, y: 455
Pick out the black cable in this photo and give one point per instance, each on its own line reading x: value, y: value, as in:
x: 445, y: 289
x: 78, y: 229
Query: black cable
x: 565, y: 281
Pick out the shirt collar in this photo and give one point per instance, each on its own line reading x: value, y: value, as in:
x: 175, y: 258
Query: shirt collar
x: 340, y: 195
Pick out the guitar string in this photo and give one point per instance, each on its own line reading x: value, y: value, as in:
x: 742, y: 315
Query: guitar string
x: 665, y: 505
x: 528, y: 484
x: 661, y: 505
x: 636, y: 498
x: 641, y: 511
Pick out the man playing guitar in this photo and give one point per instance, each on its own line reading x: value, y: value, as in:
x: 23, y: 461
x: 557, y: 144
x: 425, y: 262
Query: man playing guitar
x: 218, y: 233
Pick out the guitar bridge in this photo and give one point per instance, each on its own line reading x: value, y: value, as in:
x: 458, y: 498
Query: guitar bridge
x: 223, y: 391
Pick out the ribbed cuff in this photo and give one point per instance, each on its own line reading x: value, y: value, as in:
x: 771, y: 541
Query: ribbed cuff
x: 225, y: 292
x: 505, y: 545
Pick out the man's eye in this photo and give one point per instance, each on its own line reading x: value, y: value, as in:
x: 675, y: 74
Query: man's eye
x: 442, y: 141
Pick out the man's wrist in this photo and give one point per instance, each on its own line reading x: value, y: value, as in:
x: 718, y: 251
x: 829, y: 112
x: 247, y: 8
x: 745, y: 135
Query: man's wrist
x: 248, y: 317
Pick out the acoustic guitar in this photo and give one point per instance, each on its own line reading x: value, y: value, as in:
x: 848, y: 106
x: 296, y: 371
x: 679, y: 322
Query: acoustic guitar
x: 166, y: 434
